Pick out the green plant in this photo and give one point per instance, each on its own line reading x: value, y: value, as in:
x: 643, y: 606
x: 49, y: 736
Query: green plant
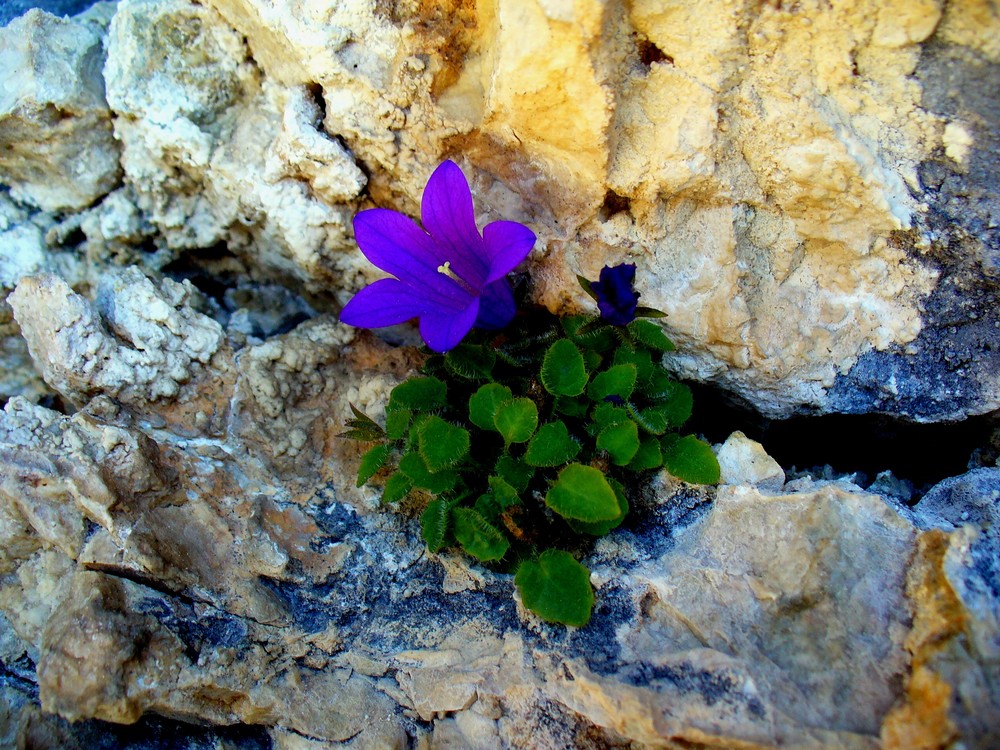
x: 524, y: 442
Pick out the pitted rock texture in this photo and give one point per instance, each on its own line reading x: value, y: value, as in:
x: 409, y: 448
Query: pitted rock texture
x: 57, y: 149
x: 230, y: 572
x: 805, y: 189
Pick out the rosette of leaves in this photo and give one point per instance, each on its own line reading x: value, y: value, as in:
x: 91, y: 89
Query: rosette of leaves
x: 523, y: 444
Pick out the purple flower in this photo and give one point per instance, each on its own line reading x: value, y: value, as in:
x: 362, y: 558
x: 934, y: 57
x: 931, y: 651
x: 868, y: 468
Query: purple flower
x: 449, y: 276
x: 615, y: 297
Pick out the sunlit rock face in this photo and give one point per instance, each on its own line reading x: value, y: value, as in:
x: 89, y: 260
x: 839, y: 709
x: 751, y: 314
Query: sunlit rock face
x: 808, y: 190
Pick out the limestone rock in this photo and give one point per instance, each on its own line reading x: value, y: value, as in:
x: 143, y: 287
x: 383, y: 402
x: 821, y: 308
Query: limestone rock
x: 765, y: 166
x: 218, y: 156
x: 745, y: 462
x: 222, y: 582
x: 145, y: 346
x: 57, y: 149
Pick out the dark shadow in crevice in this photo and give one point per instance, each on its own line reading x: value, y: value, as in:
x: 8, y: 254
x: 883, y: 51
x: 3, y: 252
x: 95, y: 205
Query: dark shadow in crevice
x: 613, y: 204
x: 867, y: 444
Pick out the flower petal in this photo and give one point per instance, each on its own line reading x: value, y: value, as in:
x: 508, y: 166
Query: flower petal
x: 507, y: 244
x: 394, y: 243
x: 447, y: 212
x: 496, y: 306
x: 386, y: 302
x: 443, y: 330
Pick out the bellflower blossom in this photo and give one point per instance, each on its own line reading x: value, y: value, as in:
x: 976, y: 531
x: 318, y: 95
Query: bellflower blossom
x: 615, y: 297
x: 448, y: 275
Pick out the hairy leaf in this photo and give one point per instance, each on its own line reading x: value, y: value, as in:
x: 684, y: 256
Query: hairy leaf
x: 515, y: 472
x: 563, y: 371
x: 471, y: 361
x: 551, y: 446
x: 651, y: 335
x: 504, y: 492
x: 434, y: 524
x: 583, y: 494
x: 640, y: 358
x: 608, y: 414
x: 441, y: 443
x: 484, y: 403
x: 516, y: 420
x: 373, y: 460
x: 648, y: 456
x: 397, y: 423
x: 600, y: 528
x: 556, y: 588
x: 691, y: 460
x: 414, y: 467
x: 418, y: 394
x: 621, y: 441
x: 477, y: 536
x: 676, y: 404
x: 618, y: 380
x: 396, y: 487
x: 652, y: 419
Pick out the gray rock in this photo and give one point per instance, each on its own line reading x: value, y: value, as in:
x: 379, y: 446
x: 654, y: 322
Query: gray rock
x: 57, y: 148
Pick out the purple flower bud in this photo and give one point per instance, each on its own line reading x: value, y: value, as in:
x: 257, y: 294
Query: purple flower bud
x: 616, y: 299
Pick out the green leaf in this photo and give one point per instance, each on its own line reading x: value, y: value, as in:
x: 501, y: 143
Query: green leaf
x: 588, y: 333
x: 556, y: 588
x: 414, y: 467
x: 551, y: 446
x: 600, y: 528
x: 515, y: 472
x: 484, y: 403
x: 363, y: 434
x: 563, y: 372
x: 606, y: 414
x: 362, y: 427
x: 397, y: 423
x: 516, y: 420
x: 373, y: 460
x: 396, y: 487
x: 471, y: 361
x: 504, y: 492
x: 477, y: 536
x: 618, y: 380
x: 691, y: 460
x: 583, y: 494
x: 621, y: 441
x: 642, y: 360
x: 442, y: 444
x: 648, y: 456
x: 487, y: 506
x: 652, y: 419
x: 651, y: 335
x: 434, y: 524
x: 571, y: 407
x: 585, y: 285
x: 649, y: 312
x: 676, y: 404
x: 418, y: 394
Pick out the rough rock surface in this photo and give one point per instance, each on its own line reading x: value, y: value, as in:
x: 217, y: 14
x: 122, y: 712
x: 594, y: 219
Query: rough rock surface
x: 57, y: 149
x: 228, y: 571
x: 809, y: 191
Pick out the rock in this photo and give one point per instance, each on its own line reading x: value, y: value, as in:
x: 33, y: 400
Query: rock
x: 154, y: 342
x: 57, y: 149
x: 202, y: 576
x: 218, y: 156
x: 745, y: 462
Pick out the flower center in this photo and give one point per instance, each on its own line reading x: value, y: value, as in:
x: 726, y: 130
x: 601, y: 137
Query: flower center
x: 445, y: 269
